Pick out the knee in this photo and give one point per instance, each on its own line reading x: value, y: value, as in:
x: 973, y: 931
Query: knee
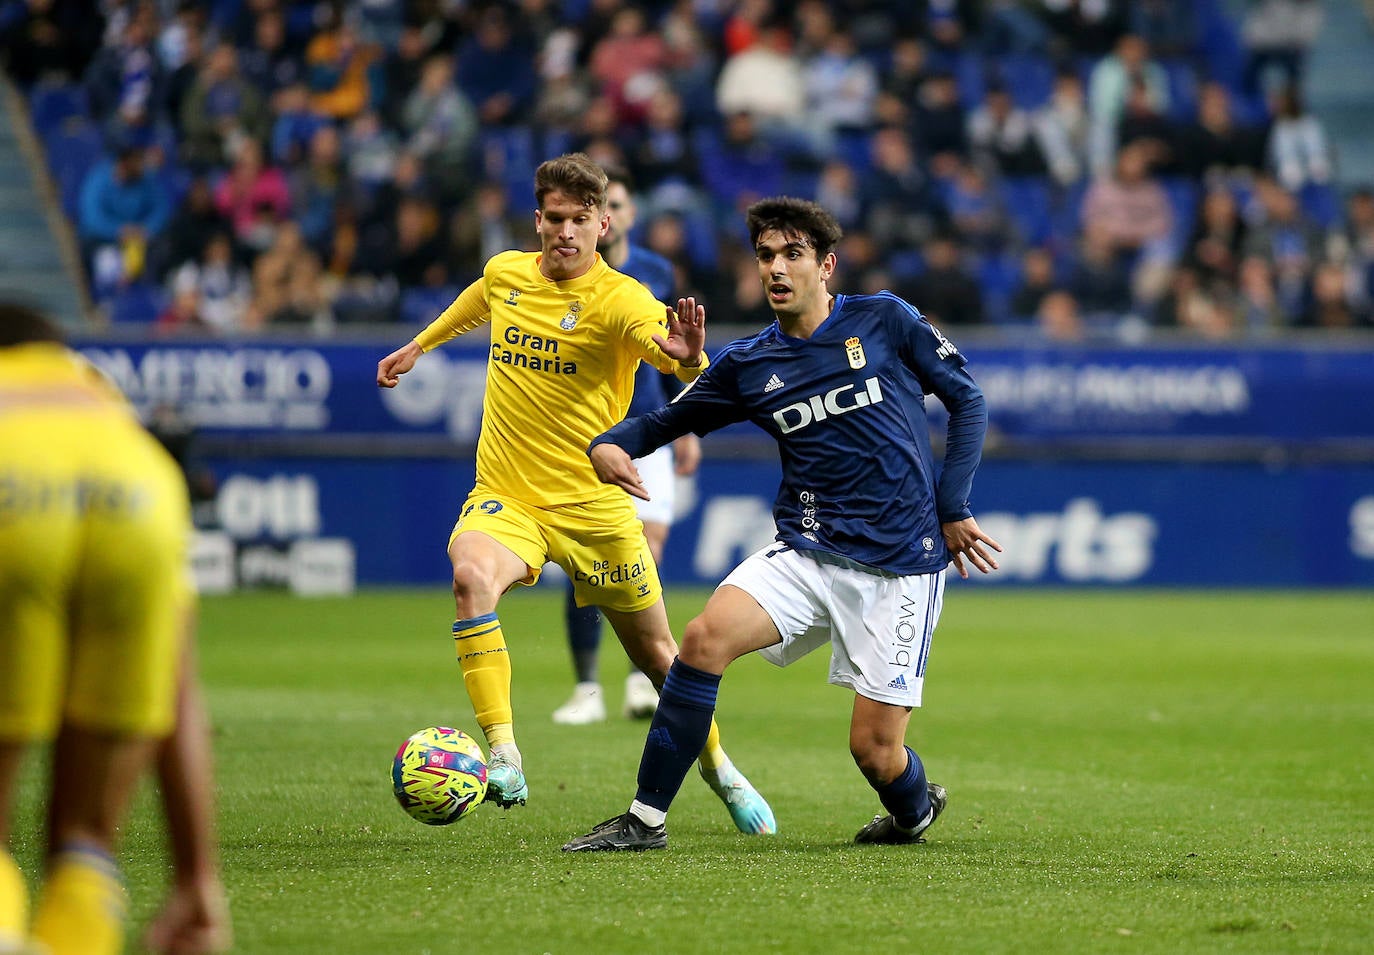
x: 703, y: 646
x: 879, y: 759
x: 473, y: 583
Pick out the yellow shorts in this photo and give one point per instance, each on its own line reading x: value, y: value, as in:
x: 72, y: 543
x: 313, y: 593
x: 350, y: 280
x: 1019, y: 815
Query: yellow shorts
x: 94, y: 526
x: 600, y: 545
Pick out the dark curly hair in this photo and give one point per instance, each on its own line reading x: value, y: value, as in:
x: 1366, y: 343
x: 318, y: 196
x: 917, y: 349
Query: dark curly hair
x: 794, y: 218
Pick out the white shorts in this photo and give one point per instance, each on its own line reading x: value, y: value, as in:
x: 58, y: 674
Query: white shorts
x: 878, y: 625
x: 656, y: 470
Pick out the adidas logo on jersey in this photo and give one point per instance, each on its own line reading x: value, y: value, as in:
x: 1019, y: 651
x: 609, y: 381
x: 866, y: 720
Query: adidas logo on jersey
x: 774, y: 383
x: 899, y: 683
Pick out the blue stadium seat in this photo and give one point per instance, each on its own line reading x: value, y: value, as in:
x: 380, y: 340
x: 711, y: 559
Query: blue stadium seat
x: 998, y: 275
x: 73, y: 149
x: 52, y: 104
x: 1321, y: 203
x: 137, y: 302
x: 508, y: 157
x: 420, y: 306
x: 1029, y: 77
x: 1027, y: 201
x: 1183, y: 196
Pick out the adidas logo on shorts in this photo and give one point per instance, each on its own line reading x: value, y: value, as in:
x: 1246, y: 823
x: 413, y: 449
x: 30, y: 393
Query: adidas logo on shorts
x: 899, y: 683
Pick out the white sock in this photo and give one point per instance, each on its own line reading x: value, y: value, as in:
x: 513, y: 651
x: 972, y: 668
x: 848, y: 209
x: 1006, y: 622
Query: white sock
x: 721, y: 775
x: 510, y: 751
x: 648, y: 815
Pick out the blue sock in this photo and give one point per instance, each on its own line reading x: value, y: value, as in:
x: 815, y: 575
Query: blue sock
x: 906, y: 797
x: 678, y: 732
x: 584, y: 637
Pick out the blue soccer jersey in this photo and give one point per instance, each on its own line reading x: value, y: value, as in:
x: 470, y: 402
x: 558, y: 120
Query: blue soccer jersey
x: 652, y: 387
x: 847, y: 409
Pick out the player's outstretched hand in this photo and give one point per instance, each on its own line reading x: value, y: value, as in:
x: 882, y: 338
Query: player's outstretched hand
x: 614, y: 466
x: 966, y: 542
x: 686, y: 332
x: 194, y: 921
x: 393, y: 366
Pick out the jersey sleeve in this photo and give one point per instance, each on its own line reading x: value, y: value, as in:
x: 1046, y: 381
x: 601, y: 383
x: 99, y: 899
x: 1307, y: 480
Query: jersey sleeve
x: 707, y: 404
x: 643, y: 317
x: 939, y: 366
x: 467, y: 312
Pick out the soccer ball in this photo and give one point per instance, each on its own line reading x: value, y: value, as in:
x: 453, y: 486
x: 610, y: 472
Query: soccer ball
x: 439, y: 775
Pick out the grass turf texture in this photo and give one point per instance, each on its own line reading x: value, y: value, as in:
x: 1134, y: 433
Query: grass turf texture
x: 1128, y: 772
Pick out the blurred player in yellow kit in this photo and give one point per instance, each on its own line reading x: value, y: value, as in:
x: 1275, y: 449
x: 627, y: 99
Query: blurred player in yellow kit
x: 567, y: 334
x: 94, y: 610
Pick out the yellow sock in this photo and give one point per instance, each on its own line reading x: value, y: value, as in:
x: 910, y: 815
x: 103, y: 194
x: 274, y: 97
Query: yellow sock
x: 711, y: 754
x: 14, y: 902
x: 83, y: 906
x: 481, y: 648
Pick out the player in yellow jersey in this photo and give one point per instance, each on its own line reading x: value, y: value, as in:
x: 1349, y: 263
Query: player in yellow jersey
x: 94, y: 607
x: 567, y: 333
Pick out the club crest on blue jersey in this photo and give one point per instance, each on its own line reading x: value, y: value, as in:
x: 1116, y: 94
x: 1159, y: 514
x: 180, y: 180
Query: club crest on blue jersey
x: 854, y: 349
x: 570, y: 320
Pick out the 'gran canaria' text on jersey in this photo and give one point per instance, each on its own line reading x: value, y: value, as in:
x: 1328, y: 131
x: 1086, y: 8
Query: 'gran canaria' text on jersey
x: 523, y: 350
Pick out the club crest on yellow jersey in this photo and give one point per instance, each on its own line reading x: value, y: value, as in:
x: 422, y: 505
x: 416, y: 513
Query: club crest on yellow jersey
x: 854, y: 349
x: 569, y: 321
x: 514, y: 294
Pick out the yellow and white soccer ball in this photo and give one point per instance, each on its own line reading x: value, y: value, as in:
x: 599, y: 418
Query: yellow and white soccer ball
x: 439, y: 775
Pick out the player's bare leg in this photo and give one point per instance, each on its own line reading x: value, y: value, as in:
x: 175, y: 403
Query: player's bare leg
x: 877, y: 734
x: 483, y: 569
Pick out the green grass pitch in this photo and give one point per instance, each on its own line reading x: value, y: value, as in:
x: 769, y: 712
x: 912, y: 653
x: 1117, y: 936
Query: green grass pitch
x: 1128, y: 772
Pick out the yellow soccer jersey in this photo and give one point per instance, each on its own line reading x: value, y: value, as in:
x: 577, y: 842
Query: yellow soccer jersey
x: 560, y: 371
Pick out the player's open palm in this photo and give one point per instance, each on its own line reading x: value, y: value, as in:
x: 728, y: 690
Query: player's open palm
x: 614, y: 466
x: 686, y: 332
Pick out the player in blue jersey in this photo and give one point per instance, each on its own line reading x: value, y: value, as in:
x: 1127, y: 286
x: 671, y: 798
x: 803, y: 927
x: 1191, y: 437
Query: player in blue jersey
x: 659, y: 470
x: 865, y: 529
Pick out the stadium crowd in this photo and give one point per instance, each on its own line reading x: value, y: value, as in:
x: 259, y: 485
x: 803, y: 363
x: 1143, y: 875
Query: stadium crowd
x: 1076, y: 168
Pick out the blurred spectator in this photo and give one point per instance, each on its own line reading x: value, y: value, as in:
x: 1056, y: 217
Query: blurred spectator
x: 1194, y: 306
x: 744, y: 169
x: 269, y: 63
x: 939, y: 124
x: 976, y: 210
x: 182, y: 312
x: 413, y: 252
x: 343, y: 71
x: 1357, y: 243
x: 1057, y: 318
x: 181, y: 47
x: 56, y: 39
x: 221, y: 287
x: 628, y: 63
x: 1171, y: 27
x: 1286, y: 239
x: 1083, y: 28
x: 123, y: 206
x: 1218, y: 239
x: 1143, y: 122
x: 480, y: 229
x: 287, y: 287
x: 1330, y: 304
x: 1258, y: 309
x: 945, y: 292
x: 743, y: 303
x: 404, y: 65
x: 295, y: 125
x: 371, y: 150
x: 496, y: 70
x: 1063, y: 127
x: 664, y: 154
x: 440, y: 126
x: 1003, y: 137
x: 766, y: 82
x: 841, y: 86
x: 1100, y: 277
x: 900, y: 209
x: 1109, y: 89
x: 1131, y: 211
x: 666, y: 234
x: 900, y: 84
x: 1216, y: 146
x: 1037, y: 280
x: 1278, y: 34
x: 317, y: 184
x: 838, y: 191
x: 1299, y: 154
x: 253, y: 197
x: 220, y: 111
x: 124, y: 82
x: 191, y: 227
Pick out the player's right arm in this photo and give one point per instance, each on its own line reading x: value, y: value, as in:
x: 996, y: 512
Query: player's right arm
x: 468, y: 311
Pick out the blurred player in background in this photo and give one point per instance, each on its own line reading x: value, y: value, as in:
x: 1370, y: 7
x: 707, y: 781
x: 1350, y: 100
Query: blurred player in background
x: 95, y: 610
x: 865, y: 531
x: 659, y: 470
x: 567, y: 332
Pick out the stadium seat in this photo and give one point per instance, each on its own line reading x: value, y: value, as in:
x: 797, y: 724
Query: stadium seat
x: 73, y: 149
x: 52, y: 104
x: 1027, y: 201
x: 138, y: 302
x: 1321, y: 203
x: 420, y: 306
x: 1029, y: 77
